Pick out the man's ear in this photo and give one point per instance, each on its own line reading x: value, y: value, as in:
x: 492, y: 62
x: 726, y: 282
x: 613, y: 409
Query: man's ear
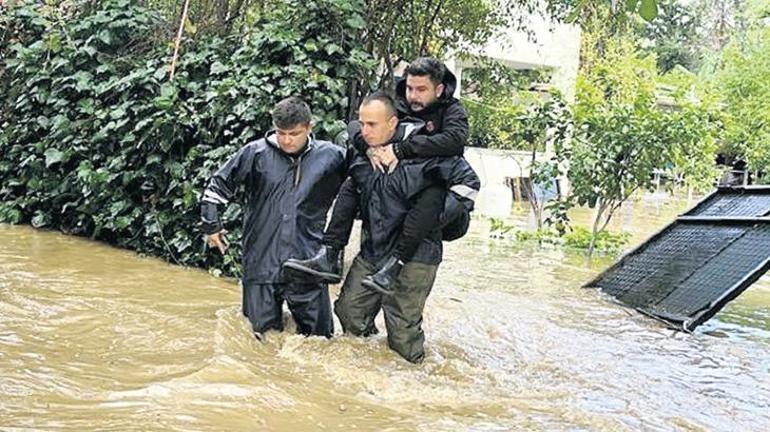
x: 439, y: 90
x: 393, y: 122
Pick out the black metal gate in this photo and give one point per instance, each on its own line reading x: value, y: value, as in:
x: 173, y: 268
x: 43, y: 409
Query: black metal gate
x: 692, y: 268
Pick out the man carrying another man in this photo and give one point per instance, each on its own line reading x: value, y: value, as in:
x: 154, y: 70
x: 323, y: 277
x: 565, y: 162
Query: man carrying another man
x: 384, y: 201
x: 425, y: 94
x: 401, y: 246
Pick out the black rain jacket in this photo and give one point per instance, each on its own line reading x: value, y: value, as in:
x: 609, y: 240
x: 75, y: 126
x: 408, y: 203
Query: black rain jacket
x: 285, y: 202
x: 385, y: 198
x: 446, y: 123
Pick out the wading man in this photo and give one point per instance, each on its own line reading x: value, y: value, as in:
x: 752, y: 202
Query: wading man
x: 384, y: 199
x: 289, y: 181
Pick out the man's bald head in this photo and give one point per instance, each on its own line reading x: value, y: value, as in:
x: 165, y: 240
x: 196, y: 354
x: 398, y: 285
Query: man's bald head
x: 378, y: 118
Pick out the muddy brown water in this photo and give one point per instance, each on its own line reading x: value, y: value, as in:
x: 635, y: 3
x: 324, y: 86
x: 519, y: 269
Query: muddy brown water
x: 97, y: 338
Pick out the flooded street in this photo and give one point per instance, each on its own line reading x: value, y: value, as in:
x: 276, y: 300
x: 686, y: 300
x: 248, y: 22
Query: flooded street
x: 97, y: 338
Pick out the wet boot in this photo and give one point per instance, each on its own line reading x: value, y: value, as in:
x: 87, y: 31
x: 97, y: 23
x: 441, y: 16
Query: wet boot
x: 386, y: 279
x: 325, y: 266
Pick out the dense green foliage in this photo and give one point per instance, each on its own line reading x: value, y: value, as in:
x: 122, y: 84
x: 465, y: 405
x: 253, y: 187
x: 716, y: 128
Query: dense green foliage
x: 497, y: 99
x: 743, y: 86
x: 578, y: 237
x: 622, y: 133
x: 97, y: 141
x: 674, y: 36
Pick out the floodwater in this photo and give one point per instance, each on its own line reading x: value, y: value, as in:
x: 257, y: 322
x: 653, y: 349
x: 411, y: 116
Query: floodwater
x: 96, y: 338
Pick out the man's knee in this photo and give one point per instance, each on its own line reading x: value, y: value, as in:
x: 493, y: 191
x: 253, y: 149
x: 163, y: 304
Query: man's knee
x: 262, y: 322
x: 403, y: 311
x: 408, y: 343
x: 356, y: 306
x: 353, y: 319
x: 310, y: 307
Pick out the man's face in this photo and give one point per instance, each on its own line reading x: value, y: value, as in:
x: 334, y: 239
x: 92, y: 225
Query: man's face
x: 378, y: 124
x: 292, y: 140
x: 421, y: 92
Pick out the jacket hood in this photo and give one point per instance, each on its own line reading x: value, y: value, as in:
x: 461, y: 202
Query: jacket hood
x: 407, y: 128
x: 271, y: 137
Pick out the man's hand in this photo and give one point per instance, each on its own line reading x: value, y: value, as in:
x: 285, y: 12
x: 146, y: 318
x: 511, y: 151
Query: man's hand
x: 218, y: 240
x: 382, y: 157
x: 387, y: 156
x: 373, y: 154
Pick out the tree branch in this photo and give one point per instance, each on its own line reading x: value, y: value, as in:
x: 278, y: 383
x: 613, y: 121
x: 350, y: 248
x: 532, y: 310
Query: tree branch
x: 428, y: 27
x: 178, y: 40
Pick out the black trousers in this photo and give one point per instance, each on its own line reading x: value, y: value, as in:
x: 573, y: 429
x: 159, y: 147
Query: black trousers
x: 309, y: 305
x: 423, y: 217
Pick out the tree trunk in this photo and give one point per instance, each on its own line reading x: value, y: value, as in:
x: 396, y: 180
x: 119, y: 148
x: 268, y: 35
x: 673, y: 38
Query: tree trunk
x: 595, y: 229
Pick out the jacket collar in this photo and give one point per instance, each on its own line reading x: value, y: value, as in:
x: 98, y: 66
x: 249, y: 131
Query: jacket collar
x: 407, y: 128
x: 272, y: 139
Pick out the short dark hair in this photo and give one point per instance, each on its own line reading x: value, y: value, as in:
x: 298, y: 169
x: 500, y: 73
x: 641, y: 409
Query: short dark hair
x: 384, y: 97
x: 427, y: 66
x: 291, y: 112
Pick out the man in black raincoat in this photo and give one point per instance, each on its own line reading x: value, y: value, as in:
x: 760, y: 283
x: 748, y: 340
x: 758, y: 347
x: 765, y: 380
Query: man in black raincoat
x: 289, y: 181
x: 384, y: 199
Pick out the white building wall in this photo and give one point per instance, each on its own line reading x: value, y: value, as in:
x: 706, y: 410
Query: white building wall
x: 492, y: 167
x: 551, y: 45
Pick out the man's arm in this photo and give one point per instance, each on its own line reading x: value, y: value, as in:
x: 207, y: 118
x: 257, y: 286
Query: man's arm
x: 458, y: 175
x: 463, y: 185
x: 220, y: 190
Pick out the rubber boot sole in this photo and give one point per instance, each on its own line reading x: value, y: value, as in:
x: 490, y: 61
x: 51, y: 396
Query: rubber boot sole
x: 320, y: 276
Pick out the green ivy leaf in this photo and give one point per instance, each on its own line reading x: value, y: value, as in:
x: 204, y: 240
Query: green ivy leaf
x: 53, y: 156
x: 82, y: 80
x: 40, y: 219
x: 649, y: 9
x: 356, y: 22
x: 86, y: 106
x: 218, y: 68
x: 105, y: 36
x: 332, y: 48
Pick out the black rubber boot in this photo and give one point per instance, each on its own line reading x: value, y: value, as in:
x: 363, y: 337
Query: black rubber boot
x: 386, y: 279
x: 325, y: 266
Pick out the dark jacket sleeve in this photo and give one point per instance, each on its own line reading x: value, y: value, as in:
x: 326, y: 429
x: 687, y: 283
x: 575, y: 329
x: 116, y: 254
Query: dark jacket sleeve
x: 356, y: 144
x: 222, y: 186
x: 449, y: 141
x: 459, y: 177
x: 464, y: 186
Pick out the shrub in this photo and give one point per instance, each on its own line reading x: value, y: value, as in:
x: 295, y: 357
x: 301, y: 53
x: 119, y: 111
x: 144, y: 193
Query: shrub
x: 97, y: 141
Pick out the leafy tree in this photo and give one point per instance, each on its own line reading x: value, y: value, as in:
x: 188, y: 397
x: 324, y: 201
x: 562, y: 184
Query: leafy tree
x: 622, y: 135
x: 721, y: 19
x: 744, y: 84
x: 695, y: 125
x: 546, y: 125
x: 496, y: 97
x: 673, y: 36
x: 404, y: 29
